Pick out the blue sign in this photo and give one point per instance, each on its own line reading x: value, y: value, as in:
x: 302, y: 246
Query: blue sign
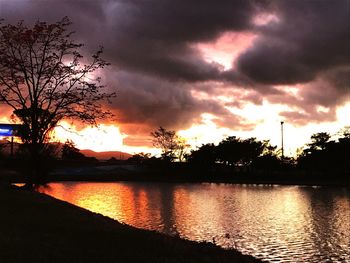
x: 9, y: 129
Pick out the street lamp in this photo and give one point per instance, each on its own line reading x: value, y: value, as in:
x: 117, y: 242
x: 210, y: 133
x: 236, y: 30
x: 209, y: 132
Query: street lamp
x: 282, y: 148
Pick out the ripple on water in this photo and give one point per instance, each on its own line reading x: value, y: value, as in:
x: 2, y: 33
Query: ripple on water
x: 276, y: 224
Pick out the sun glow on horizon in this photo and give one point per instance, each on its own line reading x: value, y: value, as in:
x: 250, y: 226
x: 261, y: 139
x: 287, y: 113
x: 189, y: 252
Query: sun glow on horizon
x: 99, y: 139
x: 265, y: 118
x: 267, y: 127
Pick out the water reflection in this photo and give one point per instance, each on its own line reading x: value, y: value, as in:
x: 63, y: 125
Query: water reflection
x: 270, y: 222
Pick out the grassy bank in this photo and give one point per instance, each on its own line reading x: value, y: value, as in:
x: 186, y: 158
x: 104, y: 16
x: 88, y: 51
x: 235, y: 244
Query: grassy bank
x: 39, y: 228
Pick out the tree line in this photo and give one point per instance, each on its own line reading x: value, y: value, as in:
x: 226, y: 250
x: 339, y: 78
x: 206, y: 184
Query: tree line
x: 326, y: 154
x: 322, y: 153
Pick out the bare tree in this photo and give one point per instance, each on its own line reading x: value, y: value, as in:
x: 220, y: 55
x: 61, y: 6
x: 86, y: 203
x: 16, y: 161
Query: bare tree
x: 172, y: 146
x: 182, y: 149
x: 44, y: 78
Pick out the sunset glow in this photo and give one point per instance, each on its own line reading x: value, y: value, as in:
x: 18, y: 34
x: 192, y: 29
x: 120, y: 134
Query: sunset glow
x: 235, y: 72
x: 101, y: 138
x: 179, y: 130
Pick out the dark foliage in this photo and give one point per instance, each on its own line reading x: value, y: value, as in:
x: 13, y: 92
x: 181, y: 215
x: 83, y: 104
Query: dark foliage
x: 235, y: 152
x: 205, y: 155
x: 44, y: 80
x: 139, y: 158
x: 70, y: 152
x: 326, y: 155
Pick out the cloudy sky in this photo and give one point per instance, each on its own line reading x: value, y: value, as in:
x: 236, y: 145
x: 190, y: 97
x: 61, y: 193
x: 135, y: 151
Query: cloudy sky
x: 213, y: 68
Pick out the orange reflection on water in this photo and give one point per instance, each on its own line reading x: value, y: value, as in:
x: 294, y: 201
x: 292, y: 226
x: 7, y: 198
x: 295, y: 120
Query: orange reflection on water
x: 96, y: 197
x: 118, y: 201
x: 196, y: 209
x: 342, y: 225
x: 288, y: 210
x: 277, y: 223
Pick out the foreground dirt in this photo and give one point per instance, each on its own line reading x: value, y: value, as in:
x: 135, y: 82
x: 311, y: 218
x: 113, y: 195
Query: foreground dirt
x: 38, y: 228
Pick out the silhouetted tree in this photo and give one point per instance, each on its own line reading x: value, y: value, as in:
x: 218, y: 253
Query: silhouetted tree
x: 319, y: 141
x: 323, y: 154
x: 204, y: 156
x: 43, y: 79
x: 233, y: 151
x: 181, y: 149
x: 70, y: 152
x: 237, y: 152
x: 139, y: 158
x: 314, y: 153
x: 172, y: 146
x: 229, y: 150
x: 343, y: 151
x: 251, y: 150
x: 268, y: 160
x: 344, y: 135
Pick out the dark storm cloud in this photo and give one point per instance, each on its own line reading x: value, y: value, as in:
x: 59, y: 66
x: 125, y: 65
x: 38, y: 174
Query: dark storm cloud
x: 303, y: 118
x: 339, y: 78
x: 152, y: 37
x: 310, y: 44
x: 316, y: 101
x: 155, y: 37
x: 157, y: 102
x: 310, y: 37
x: 153, y: 45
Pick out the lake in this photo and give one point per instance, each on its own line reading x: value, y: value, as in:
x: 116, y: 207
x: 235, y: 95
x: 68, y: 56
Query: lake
x: 273, y: 223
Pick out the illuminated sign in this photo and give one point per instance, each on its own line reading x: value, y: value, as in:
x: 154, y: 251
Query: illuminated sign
x: 5, y: 132
x: 9, y: 129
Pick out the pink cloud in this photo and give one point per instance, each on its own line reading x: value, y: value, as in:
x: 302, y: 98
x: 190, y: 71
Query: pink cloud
x: 225, y: 49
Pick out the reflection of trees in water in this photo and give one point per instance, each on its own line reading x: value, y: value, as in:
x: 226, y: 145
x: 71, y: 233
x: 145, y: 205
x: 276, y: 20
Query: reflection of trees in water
x: 167, y: 210
x: 277, y: 222
x: 329, y: 222
x: 154, y: 206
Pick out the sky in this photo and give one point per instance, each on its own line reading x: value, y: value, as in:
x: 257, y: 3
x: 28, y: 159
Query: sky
x: 209, y: 69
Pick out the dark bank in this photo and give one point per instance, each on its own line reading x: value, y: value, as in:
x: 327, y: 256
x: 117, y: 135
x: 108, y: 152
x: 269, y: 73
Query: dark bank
x: 38, y: 228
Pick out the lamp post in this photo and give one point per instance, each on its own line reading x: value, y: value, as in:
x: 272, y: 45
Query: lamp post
x: 11, y: 146
x: 282, y: 148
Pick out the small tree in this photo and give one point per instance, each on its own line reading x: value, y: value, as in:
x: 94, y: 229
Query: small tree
x: 172, y: 146
x: 139, y: 158
x: 70, y: 152
x: 43, y: 79
x: 181, y: 150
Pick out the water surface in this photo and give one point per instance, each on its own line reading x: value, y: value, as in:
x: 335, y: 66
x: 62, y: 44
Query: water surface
x: 273, y: 223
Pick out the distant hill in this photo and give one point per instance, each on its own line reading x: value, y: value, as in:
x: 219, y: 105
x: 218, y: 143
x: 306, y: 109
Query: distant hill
x: 5, y: 147
x: 106, y: 155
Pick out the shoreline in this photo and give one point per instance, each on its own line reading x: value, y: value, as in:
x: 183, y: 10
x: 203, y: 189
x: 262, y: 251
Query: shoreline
x: 39, y: 228
x: 120, y: 174
x: 195, y: 181
x: 117, y: 178
x: 170, y: 175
